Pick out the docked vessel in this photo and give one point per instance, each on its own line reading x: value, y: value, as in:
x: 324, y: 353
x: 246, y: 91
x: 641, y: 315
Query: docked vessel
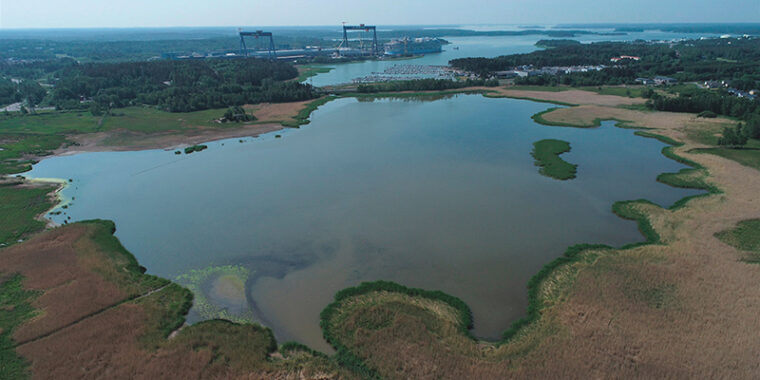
x: 415, y: 46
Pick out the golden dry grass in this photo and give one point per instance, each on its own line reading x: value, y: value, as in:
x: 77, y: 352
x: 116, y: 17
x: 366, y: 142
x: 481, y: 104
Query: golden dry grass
x: 270, y: 118
x: 570, y: 96
x: 277, y: 112
x: 687, y: 308
x: 93, y: 322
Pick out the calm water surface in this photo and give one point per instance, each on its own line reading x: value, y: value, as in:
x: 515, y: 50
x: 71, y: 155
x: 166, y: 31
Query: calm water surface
x: 440, y: 195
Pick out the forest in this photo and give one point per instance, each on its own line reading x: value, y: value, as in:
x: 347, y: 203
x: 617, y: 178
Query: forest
x: 735, y: 59
x: 708, y: 103
x: 176, y: 86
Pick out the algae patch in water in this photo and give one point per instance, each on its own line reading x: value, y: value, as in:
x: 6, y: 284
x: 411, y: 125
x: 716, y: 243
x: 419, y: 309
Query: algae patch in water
x: 219, y: 292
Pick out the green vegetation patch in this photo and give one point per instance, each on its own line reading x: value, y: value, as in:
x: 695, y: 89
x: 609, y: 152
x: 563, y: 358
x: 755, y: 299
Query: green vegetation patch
x: 303, y: 115
x: 15, y: 309
x: 121, y: 267
x: 166, y: 310
x: 330, y: 319
x: 745, y: 156
x: 746, y: 237
x: 689, y: 178
x: 19, y: 207
x: 308, y: 71
x: 417, y: 85
x: 536, y: 302
x: 16, y: 147
x: 216, y: 288
x: 628, y: 92
x: 630, y: 210
x: 550, y: 44
x: 546, y: 152
x: 195, y: 148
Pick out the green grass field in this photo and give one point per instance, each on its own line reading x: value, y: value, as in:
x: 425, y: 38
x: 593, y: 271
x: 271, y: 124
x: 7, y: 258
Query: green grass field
x: 631, y: 92
x: 41, y: 133
x: 746, y: 156
x: 746, y: 237
x: 19, y: 206
x: 15, y: 309
x: 540, y: 88
x: 546, y: 153
x: 628, y: 92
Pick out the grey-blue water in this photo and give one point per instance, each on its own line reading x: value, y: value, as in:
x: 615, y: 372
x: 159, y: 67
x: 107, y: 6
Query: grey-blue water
x: 434, y: 194
x: 476, y: 47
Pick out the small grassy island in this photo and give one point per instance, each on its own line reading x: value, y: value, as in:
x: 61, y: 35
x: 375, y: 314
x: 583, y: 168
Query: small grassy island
x: 195, y: 148
x: 546, y: 152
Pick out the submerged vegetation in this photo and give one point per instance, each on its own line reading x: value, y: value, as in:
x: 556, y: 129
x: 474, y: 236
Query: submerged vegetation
x: 200, y: 282
x: 547, y: 152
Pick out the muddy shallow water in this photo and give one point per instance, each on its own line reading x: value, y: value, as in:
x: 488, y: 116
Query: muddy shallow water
x: 435, y: 194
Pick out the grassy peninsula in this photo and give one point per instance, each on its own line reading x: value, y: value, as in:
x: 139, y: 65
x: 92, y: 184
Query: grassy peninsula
x: 547, y: 154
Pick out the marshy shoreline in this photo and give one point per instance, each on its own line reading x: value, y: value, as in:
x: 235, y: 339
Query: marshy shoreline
x: 550, y: 289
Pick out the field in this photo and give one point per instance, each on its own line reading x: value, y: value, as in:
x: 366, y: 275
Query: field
x: 26, y: 138
x: 546, y: 153
x: 622, y: 91
x: 746, y: 237
x: 20, y: 206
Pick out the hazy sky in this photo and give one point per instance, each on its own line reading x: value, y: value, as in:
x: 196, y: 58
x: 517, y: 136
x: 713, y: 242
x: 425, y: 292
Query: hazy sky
x: 136, y: 13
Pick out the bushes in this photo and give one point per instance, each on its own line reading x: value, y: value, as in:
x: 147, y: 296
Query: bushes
x: 195, y: 148
x: 733, y: 137
x: 707, y: 114
x: 237, y: 114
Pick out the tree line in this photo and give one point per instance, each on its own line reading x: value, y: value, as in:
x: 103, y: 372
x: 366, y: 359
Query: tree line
x: 424, y: 85
x: 711, y: 103
x: 734, y: 60
x: 177, y: 86
x: 21, y: 91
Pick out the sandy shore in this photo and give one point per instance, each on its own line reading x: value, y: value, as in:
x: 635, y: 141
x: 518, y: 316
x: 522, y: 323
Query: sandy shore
x: 132, y: 141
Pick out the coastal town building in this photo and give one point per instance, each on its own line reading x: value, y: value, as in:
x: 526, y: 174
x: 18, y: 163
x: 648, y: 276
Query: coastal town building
x: 659, y: 80
x: 625, y: 57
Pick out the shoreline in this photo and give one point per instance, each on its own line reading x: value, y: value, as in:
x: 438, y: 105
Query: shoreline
x: 571, y: 257
x: 464, y: 91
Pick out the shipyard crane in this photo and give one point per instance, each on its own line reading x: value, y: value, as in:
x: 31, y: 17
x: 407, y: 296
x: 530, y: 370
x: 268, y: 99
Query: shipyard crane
x: 361, y: 27
x: 272, y: 52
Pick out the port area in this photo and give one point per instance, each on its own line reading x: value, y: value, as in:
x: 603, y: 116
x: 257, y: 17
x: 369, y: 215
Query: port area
x: 409, y: 72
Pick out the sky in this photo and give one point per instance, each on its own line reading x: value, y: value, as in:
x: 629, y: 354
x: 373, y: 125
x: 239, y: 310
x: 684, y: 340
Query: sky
x: 160, y: 13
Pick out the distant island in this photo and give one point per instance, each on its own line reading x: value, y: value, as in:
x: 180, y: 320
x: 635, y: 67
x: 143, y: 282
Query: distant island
x: 548, y: 44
